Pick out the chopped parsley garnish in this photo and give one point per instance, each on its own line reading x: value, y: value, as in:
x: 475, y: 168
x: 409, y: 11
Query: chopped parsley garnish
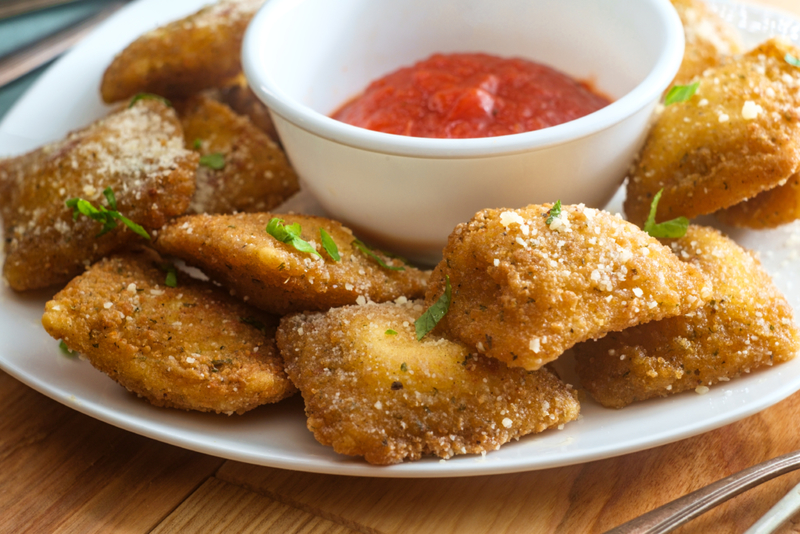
x: 553, y: 213
x: 197, y: 143
x: 428, y: 320
x: 172, y: 275
x: 109, y: 218
x: 791, y: 60
x: 360, y: 245
x: 290, y: 235
x: 65, y: 349
x: 255, y: 323
x: 329, y: 245
x: 673, y: 228
x: 149, y: 96
x: 404, y: 367
x: 681, y: 93
x: 215, y: 161
x: 391, y: 332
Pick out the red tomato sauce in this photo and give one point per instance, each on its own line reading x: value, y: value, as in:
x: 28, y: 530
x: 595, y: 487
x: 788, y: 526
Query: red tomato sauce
x: 470, y: 95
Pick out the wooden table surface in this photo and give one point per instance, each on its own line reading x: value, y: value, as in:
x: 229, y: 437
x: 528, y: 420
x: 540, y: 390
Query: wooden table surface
x: 61, y: 471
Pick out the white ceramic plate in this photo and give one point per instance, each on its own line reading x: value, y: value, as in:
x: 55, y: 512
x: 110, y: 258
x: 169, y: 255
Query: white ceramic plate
x: 66, y: 97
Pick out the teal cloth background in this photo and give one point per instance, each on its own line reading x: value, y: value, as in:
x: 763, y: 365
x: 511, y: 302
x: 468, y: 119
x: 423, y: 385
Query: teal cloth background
x: 17, y: 32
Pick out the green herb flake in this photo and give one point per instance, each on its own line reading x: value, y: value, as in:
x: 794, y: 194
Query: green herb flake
x: 198, y: 143
x: 428, y: 320
x: 672, y: 228
x: 290, y: 235
x: 553, y: 213
x: 363, y: 247
x: 65, y: 350
x: 172, y: 278
x: 391, y: 332
x: 102, y: 215
x: 681, y: 93
x: 404, y: 367
x: 329, y: 245
x: 791, y: 60
x: 215, y: 160
x: 149, y: 96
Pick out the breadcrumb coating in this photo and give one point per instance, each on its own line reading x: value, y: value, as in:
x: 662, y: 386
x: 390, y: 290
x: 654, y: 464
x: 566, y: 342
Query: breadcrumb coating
x: 371, y: 389
x: 191, y: 347
x: 256, y: 175
x: 137, y: 152
x: 240, y: 98
x: 185, y: 56
x: 237, y: 251
x: 748, y: 324
x: 770, y: 209
x: 524, y: 291
x: 737, y: 136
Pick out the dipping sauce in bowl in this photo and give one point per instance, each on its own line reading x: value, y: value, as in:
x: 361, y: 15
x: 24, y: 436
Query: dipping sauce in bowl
x: 470, y: 95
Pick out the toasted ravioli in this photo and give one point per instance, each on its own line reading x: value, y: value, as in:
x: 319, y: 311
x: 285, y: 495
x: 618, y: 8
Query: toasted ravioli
x: 183, y: 57
x: 524, y: 291
x: 191, y: 346
x: 737, y: 136
x: 254, y: 176
x: 748, y: 324
x: 770, y: 209
x: 241, y: 99
x: 371, y: 389
x: 137, y: 152
x: 708, y: 39
x: 237, y: 251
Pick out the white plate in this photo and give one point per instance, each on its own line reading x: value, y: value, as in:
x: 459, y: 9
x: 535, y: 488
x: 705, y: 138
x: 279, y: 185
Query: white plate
x: 66, y: 97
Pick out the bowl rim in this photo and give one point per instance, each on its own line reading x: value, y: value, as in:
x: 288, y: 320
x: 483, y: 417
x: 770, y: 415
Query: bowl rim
x: 647, y: 92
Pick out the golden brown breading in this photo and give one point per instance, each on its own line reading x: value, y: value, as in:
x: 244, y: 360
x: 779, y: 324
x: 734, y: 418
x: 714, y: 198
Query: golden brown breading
x: 747, y: 325
x: 183, y: 57
x: 371, y: 389
x: 256, y: 175
x: 708, y: 39
x: 770, y: 209
x: 237, y: 251
x: 524, y: 291
x: 191, y: 347
x: 137, y: 152
x: 737, y: 136
x: 241, y: 99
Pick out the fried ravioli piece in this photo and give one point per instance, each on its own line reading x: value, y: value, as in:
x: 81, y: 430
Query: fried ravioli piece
x: 237, y: 251
x: 737, y: 136
x: 708, y: 39
x: 770, y: 209
x: 183, y: 57
x: 748, y: 324
x: 524, y: 291
x: 191, y: 346
x: 241, y: 99
x: 371, y: 389
x: 137, y: 152
x: 255, y: 175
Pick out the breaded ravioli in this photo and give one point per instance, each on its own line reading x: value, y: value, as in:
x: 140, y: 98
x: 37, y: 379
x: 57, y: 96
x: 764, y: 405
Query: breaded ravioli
x: 241, y: 169
x: 737, y: 136
x: 275, y: 276
x: 191, y: 346
x: 708, y: 39
x: 528, y: 284
x: 770, y: 209
x: 748, y: 324
x: 137, y: 152
x: 183, y: 57
x: 240, y: 98
x: 371, y: 389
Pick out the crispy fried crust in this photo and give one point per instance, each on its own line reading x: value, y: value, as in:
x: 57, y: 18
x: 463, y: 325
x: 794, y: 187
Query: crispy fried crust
x: 237, y: 251
x: 183, y: 57
x: 137, y: 151
x: 708, y: 39
x: 524, y: 291
x: 191, y: 347
x: 716, y: 150
x: 241, y: 99
x: 388, y: 397
x: 256, y: 175
x: 747, y: 325
x: 770, y: 209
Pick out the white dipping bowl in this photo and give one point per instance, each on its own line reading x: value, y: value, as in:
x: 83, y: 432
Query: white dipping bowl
x: 306, y: 58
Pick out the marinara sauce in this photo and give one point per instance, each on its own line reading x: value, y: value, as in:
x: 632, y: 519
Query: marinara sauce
x: 470, y: 95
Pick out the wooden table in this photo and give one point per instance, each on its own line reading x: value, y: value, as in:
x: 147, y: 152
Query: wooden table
x: 61, y: 471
